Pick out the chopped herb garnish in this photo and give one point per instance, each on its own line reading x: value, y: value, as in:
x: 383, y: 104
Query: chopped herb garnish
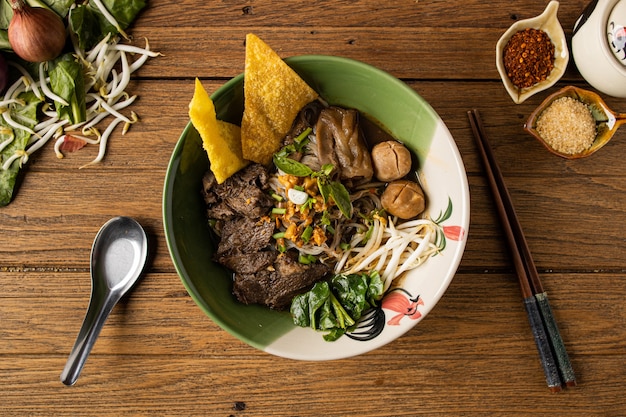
x: 306, y: 234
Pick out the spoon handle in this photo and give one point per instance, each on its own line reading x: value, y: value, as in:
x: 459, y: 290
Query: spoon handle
x: 97, y: 313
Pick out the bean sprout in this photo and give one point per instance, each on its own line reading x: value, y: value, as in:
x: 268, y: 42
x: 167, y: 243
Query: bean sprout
x: 28, y: 80
x: 10, y: 93
x: 61, y: 140
x: 119, y: 89
x: 43, y: 82
x: 9, y: 140
x: 105, y: 97
x: 55, y: 129
x: 103, y: 142
x: 7, y: 118
x: 17, y: 155
x: 5, y: 103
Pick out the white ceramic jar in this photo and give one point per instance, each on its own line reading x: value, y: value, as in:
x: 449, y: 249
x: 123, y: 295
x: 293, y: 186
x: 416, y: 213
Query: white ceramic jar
x: 598, y: 46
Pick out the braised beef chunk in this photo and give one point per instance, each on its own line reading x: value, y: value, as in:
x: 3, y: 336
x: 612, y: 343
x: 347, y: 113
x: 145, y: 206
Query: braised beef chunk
x: 243, y: 194
x: 240, y: 207
x: 246, y: 263
x: 276, y: 287
x: 245, y: 245
x: 245, y: 235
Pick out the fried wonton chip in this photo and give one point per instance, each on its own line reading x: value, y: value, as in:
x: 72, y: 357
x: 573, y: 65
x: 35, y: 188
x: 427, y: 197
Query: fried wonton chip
x: 273, y: 94
x: 221, y: 140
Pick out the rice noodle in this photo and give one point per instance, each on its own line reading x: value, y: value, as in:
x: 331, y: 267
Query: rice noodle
x: 368, y: 241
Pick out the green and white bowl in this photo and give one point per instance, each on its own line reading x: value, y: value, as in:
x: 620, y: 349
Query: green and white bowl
x: 410, y: 119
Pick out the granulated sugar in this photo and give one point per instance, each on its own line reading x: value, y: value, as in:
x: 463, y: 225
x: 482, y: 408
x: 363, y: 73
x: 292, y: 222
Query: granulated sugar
x: 567, y: 126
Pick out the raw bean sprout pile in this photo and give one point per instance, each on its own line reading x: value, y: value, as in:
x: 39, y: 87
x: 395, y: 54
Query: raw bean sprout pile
x: 107, y: 69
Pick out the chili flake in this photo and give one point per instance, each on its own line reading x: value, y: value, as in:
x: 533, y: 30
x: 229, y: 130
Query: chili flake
x: 528, y: 57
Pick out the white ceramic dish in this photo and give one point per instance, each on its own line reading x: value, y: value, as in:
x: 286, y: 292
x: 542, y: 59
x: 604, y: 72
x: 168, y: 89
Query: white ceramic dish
x: 596, y: 60
x: 549, y: 23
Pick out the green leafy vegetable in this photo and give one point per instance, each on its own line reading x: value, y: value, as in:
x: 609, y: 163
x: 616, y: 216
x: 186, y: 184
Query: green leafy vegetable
x: 66, y: 80
x: 337, y: 191
x: 335, y: 306
x: 291, y: 166
x: 27, y: 115
x: 82, y: 21
x: 341, y: 197
x: 87, y: 23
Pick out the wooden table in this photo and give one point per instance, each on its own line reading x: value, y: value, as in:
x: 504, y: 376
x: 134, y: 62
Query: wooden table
x: 474, y: 354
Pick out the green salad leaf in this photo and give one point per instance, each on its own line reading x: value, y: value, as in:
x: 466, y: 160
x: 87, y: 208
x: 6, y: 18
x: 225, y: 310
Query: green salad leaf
x: 66, y: 80
x: 27, y: 115
x: 335, y: 306
x: 87, y: 23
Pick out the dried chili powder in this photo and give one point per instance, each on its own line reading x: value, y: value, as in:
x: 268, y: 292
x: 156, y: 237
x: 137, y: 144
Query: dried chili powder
x: 528, y: 57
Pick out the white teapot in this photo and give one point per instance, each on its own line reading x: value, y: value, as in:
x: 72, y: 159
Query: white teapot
x: 599, y: 46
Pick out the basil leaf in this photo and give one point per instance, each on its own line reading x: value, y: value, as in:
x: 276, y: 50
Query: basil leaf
x: 342, y: 198
x: 291, y: 167
x: 66, y: 80
x: 28, y: 118
x: 324, y: 188
x: 357, y: 292
x: 327, y: 169
x: 334, y: 335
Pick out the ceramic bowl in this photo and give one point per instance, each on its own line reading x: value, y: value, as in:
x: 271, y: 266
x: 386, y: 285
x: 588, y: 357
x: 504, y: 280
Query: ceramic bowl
x: 409, y: 118
x: 598, y: 43
x: 607, y: 120
x: 549, y: 23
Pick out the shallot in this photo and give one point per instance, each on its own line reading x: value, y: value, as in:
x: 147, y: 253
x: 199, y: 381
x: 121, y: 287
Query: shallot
x: 36, y: 34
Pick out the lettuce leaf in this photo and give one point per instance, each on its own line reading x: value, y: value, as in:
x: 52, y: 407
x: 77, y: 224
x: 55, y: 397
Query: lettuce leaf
x: 27, y: 116
x: 90, y: 25
x: 67, y: 81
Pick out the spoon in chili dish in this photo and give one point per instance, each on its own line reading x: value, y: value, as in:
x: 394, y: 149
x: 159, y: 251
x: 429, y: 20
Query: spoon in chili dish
x: 118, y: 257
x: 606, y: 120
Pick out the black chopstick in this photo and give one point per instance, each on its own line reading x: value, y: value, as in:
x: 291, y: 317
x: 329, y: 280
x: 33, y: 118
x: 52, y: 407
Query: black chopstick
x: 554, y: 358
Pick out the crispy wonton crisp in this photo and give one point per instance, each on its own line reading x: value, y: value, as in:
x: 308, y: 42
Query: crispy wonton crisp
x: 220, y: 140
x: 273, y: 94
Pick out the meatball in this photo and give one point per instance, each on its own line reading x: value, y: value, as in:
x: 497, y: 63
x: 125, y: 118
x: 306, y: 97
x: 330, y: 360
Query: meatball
x: 403, y: 198
x: 391, y: 160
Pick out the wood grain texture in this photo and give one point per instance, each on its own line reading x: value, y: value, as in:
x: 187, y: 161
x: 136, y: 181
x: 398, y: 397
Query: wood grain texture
x: 473, y: 355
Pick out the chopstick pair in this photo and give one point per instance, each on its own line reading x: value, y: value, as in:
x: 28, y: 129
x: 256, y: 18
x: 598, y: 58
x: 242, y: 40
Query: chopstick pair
x: 554, y: 358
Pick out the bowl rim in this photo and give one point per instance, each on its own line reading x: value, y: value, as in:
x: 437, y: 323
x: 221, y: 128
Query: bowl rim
x: 463, y: 198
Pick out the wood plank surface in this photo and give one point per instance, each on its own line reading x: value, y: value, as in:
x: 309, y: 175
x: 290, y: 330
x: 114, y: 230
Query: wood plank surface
x: 473, y: 355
